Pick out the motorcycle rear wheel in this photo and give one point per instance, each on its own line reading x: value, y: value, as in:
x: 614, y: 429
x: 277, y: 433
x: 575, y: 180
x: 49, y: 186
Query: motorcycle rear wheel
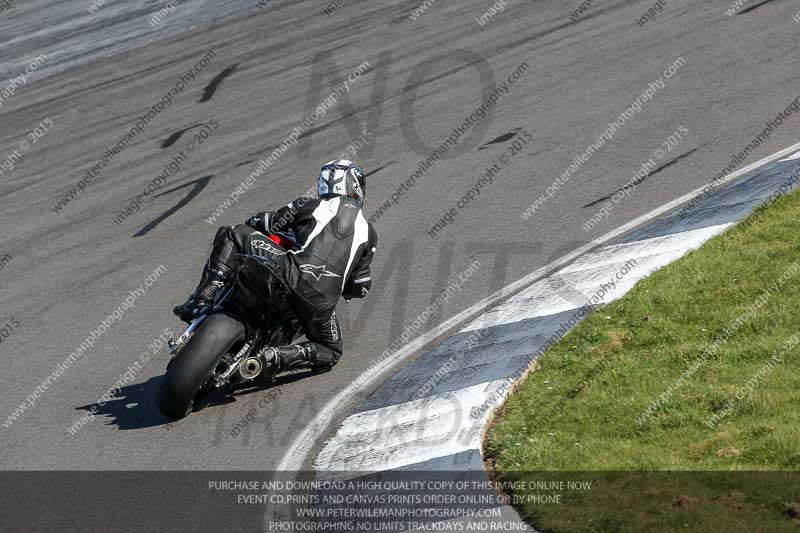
x: 194, y: 364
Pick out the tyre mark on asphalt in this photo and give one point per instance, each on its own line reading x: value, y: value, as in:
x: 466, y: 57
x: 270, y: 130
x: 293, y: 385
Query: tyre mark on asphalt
x: 645, y: 177
x: 754, y: 6
x: 212, y: 86
x: 501, y: 138
x: 200, y: 184
x: 375, y: 171
x: 172, y: 139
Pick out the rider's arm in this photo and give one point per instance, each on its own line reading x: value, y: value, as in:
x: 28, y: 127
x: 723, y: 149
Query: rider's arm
x: 360, y: 281
x: 284, y: 218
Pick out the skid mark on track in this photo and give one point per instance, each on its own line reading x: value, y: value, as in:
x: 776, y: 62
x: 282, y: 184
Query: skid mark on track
x: 501, y: 138
x: 172, y: 139
x: 375, y: 171
x: 199, y: 185
x: 747, y: 9
x: 212, y: 86
x: 644, y: 178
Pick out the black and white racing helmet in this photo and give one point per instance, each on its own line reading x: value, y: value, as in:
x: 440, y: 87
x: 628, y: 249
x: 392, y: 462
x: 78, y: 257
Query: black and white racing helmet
x: 341, y: 177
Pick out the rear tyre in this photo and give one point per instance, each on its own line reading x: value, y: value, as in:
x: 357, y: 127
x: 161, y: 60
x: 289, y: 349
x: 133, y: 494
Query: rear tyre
x: 195, y: 363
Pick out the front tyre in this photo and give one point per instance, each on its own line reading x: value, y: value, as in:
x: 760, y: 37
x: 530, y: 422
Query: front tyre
x: 195, y: 363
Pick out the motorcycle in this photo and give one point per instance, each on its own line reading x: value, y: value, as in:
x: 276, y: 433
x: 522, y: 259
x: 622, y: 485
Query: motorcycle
x: 225, y: 345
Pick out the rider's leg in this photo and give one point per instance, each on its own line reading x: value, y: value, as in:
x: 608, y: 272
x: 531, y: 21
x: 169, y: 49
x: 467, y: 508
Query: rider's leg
x: 218, y: 271
x: 324, y: 346
x: 325, y: 338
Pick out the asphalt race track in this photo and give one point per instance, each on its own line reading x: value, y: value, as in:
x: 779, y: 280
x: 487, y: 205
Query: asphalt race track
x: 69, y: 268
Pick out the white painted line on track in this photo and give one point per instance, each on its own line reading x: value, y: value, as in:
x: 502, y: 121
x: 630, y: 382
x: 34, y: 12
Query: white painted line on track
x: 791, y: 157
x: 296, y: 456
x: 619, y: 253
x: 575, y: 285
x: 405, y: 434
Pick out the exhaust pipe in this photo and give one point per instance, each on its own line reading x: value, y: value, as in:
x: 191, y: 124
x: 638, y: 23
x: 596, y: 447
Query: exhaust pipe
x: 250, y: 367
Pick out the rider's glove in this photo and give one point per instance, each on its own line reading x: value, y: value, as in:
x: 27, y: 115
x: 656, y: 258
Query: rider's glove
x: 257, y: 221
x: 358, y: 287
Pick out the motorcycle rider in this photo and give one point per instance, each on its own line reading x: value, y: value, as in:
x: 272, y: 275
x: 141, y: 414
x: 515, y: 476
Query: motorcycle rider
x: 335, y: 246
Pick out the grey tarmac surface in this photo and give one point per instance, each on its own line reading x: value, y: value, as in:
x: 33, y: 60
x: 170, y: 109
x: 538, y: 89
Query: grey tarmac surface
x: 69, y: 270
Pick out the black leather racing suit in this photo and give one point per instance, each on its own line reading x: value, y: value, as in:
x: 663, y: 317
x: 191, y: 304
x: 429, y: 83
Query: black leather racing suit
x: 335, y: 246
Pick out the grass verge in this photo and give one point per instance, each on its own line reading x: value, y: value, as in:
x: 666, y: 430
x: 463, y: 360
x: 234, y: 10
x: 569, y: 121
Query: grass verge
x: 667, y: 401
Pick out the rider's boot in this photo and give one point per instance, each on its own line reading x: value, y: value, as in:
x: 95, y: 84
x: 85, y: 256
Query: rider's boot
x: 211, y: 283
x: 290, y: 357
